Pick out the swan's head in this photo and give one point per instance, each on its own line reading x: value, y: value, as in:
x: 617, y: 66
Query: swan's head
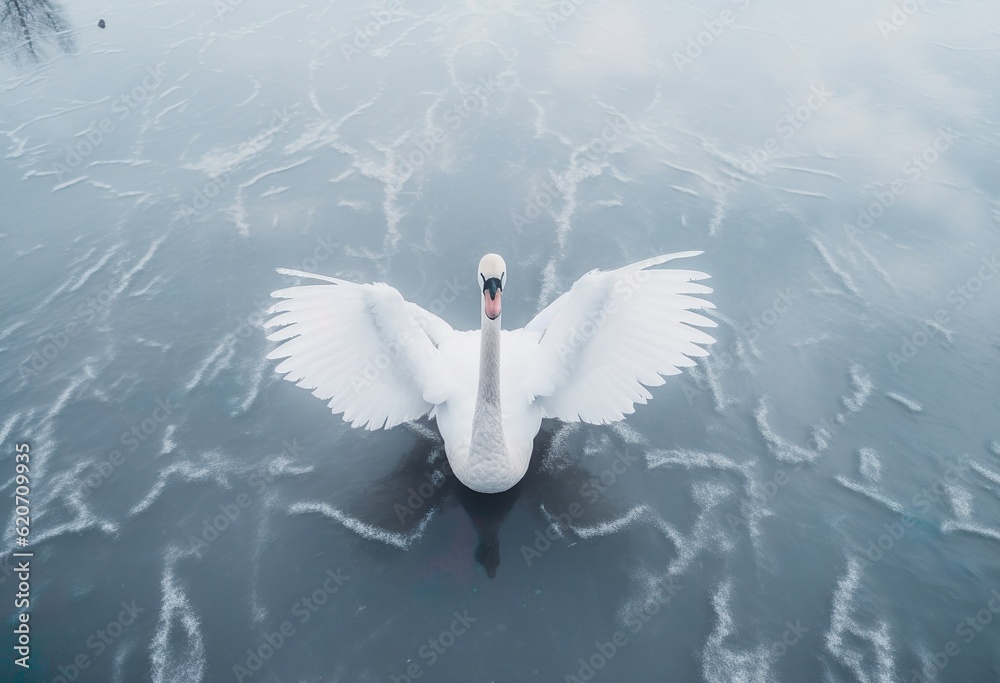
x: 492, y: 278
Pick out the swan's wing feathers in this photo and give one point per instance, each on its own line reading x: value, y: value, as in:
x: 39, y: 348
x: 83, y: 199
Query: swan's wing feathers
x: 544, y: 317
x: 434, y: 327
x: 615, y: 333
x: 363, y: 348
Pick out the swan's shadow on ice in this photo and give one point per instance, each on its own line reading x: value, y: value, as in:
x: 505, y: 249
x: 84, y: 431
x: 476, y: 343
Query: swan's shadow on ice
x: 422, y: 485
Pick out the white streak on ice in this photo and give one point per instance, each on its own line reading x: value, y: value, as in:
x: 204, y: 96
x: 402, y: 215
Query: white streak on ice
x: 423, y: 432
x: 121, y: 656
x: 974, y: 529
x: 68, y: 183
x: 169, y: 445
x: 96, y: 267
x: 183, y: 470
x: 844, y: 278
x: 558, y: 456
x: 225, y: 348
x: 988, y: 474
x: 8, y: 426
x: 256, y: 382
x: 780, y: 448
x: 639, y: 513
x: 863, y: 386
x: 722, y: 663
x: 374, y: 533
x: 126, y: 277
x: 871, y: 494
x: 273, y: 191
x: 173, y: 662
x: 907, y: 403
x: 866, y: 651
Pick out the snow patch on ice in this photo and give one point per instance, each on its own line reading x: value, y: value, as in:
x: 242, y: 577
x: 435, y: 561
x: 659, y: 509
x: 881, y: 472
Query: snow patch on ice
x: 870, y: 465
x: 862, y: 384
x: 960, y: 501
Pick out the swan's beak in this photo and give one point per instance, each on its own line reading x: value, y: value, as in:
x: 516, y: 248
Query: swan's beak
x: 491, y: 298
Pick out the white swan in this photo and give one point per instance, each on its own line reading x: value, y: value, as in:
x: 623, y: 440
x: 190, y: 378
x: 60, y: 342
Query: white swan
x: 381, y: 360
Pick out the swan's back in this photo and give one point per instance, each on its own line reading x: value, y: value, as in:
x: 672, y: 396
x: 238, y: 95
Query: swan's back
x: 521, y: 417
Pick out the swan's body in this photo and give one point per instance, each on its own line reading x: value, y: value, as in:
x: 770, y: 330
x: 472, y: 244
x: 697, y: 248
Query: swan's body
x: 382, y: 361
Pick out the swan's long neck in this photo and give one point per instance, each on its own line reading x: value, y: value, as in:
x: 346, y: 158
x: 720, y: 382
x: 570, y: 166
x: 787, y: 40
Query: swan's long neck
x: 487, y: 423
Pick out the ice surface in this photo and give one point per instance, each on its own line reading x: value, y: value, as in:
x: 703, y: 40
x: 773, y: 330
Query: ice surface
x: 267, y: 141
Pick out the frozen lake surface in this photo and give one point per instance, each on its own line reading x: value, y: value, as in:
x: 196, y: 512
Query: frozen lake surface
x: 819, y: 500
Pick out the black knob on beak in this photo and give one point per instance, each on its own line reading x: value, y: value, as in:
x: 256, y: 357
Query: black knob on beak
x: 492, y: 286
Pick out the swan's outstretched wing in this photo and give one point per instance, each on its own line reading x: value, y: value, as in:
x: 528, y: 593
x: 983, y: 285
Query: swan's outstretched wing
x: 614, y: 332
x: 363, y: 348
